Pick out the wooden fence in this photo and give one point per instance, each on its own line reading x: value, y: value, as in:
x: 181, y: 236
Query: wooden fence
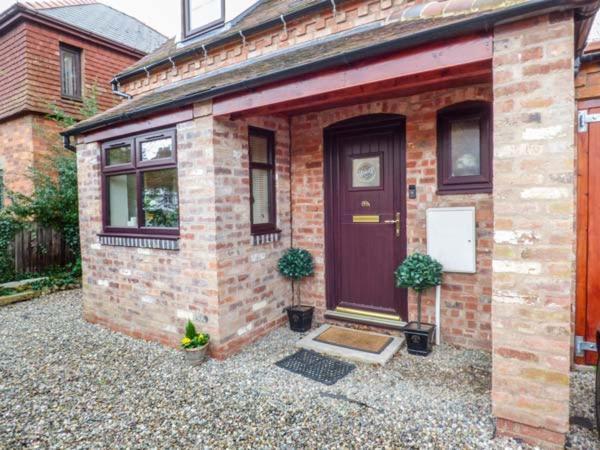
x: 39, y: 248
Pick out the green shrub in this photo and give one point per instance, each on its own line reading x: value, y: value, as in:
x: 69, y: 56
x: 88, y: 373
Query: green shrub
x: 419, y: 272
x: 296, y: 264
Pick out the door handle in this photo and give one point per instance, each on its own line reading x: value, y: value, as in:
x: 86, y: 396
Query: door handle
x: 395, y: 222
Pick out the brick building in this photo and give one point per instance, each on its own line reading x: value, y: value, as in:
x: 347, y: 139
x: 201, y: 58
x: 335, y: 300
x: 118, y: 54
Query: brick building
x: 56, y: 52
x: 281, y: 126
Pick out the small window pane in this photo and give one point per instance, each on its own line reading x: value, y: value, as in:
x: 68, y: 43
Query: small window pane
x: 260, y: 196
x: 122, y: 201
x: 160, y: 199
x: 158, y: 149
x: 465, y: 143
x: 71, y: 72
x: 259, y: 149
x: 366, y: 172
x: 118, y: 155
x: 204, y: 12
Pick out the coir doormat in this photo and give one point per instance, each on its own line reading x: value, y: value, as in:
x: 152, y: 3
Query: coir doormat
x: 355, y: 339
x: 316, y: 366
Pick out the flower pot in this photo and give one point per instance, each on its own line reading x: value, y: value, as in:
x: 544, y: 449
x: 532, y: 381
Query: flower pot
x: 419, y: 339
x: 300, y: 317
x: 195, y: 356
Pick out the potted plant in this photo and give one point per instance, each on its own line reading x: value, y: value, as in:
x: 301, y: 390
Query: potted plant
x: 296, y: 264
x: 194, y: 345
x: 419, y: 272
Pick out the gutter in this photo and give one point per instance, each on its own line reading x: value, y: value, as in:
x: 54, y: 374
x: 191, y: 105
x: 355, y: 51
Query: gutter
x: 477, y: 24
x: 276, y: 21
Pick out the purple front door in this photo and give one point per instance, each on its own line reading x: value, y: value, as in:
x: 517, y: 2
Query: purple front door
x: 365, y: 228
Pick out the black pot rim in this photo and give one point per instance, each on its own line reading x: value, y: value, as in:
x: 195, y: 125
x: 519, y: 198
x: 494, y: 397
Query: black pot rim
x: 292, y: 308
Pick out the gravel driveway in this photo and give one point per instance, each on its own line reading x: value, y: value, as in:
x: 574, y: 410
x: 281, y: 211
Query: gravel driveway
x: 68, y: 384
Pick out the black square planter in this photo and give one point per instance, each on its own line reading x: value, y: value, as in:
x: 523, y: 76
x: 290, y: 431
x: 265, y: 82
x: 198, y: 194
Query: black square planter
x: 419, y: 340
x: 300, y: 317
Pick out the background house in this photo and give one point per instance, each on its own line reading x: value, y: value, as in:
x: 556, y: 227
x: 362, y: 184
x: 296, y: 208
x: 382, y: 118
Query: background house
x: 57, y: 52
x: 288, y: 124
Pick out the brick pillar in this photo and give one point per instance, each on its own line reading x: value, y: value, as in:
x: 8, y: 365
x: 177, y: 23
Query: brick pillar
x: 534, y: 229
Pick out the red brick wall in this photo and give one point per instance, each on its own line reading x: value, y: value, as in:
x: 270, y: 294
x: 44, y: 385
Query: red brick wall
x: 534, y: 228
x: 30, y: 81
x: 466, y: 301
x: 252, y: 294
x: 16, y: 152
x: 99, y: 64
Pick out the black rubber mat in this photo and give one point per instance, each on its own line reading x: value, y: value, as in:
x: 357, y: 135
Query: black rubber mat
x: 316, y: 366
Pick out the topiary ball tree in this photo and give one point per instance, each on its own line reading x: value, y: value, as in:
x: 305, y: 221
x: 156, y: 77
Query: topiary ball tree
x: 296, y: 264
x: 419, y: 272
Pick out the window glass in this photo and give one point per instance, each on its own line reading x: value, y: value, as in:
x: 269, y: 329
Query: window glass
x: 157, y: 149
x: 118, y: 155
x: 122, y: 201
x: 160, y: 198
x: 260, y: 196
x: 465, y: 148
x: 366, y: 172
x: 70, y: 72
x: 259, y: 149
x: 204, y: 12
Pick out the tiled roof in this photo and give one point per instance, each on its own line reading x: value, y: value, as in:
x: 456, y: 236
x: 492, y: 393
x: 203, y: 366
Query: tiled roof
x: 102, y: 20
x: 215, y: 82
x: 416, y: 25
x: 262, y: 12
x: 267, y: 10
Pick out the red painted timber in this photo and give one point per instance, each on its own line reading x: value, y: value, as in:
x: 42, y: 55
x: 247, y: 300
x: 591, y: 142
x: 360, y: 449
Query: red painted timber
x: 406, y: 64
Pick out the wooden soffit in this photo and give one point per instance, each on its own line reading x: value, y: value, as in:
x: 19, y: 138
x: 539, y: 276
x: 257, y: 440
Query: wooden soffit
x: 440, y: 65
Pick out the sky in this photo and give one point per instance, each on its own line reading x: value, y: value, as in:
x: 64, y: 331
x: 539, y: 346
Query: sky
x: 162, y: 15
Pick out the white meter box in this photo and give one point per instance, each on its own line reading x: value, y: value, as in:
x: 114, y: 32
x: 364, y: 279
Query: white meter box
x: 451, y: 238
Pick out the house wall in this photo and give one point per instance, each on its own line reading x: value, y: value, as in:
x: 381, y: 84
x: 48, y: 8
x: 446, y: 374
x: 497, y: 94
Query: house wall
x: 99, y: 64
x: 252, y: 294
x: 348, y: 15
x: 219, y: 277
x: 30, y: 82
x: 17, y: 152
x: 13, y: 71
x: 534, y: 230
x: 150, y: 293
x: 466, y: 307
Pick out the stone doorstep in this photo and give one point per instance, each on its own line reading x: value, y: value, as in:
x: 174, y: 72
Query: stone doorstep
x: 308, y: 342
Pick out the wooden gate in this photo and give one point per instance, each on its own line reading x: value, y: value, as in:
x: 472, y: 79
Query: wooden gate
x: 587, y: 316
x: 39, y: 248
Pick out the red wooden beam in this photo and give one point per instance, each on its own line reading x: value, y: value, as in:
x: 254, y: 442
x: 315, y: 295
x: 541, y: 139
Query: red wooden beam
x: 399, y: 66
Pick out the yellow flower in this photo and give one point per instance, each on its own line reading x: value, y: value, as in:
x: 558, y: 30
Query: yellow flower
x: 186, y: 341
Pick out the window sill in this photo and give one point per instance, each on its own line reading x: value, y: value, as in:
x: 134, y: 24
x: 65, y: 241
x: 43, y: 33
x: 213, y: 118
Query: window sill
x: 72, y: 99
x: 266, y: 237
x: 464, y: 191
x: 164, y: 242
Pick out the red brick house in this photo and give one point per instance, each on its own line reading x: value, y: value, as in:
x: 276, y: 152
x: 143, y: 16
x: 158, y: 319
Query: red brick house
x: 55, y: 52
x: 344, y: 127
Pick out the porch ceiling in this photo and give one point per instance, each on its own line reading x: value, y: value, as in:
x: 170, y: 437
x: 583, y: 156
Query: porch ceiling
x: 465, y: 60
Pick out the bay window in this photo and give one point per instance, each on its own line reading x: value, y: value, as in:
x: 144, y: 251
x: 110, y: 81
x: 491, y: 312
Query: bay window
x: 140, y: 191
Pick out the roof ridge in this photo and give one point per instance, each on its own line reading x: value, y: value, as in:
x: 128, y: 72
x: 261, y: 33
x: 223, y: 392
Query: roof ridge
x: 49, y: 4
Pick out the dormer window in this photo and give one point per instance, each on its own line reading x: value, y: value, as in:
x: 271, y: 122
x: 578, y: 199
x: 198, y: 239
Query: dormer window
x: 200, y: 16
